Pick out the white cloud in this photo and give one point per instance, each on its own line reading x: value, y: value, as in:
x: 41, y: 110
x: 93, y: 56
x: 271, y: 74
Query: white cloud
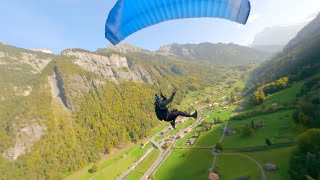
x: 239, y: 26
x: 254, y: 17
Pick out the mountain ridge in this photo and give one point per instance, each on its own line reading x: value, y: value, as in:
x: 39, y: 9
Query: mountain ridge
x: 299, y: 58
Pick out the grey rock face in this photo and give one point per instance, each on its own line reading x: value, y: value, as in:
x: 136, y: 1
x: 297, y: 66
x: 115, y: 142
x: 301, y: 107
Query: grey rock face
x: 113, y: 67
x: 26, y: 137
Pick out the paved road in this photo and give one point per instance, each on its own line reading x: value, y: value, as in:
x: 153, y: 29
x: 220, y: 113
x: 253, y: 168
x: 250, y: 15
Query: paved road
x: 154, y: 167
x: 126, y: 173
x: 156, y: 144
x: 224, y: 129
x: 158, y: 162
x: 98, y: 173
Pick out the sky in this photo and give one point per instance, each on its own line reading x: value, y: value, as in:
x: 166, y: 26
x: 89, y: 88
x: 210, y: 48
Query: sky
x: 60, y: 24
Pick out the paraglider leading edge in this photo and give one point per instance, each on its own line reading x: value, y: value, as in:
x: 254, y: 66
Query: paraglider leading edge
x: 130, y: 16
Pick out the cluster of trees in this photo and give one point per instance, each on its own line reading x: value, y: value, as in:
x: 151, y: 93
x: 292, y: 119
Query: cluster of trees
x: 258, y: 96
x: 307, y: 111
x: 270, y: 88
x: 304, y: 162
x: 206, y: 126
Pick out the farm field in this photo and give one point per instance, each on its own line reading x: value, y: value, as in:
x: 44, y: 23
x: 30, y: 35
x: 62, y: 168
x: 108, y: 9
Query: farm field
x: 278, y: 127
x: 185, y: 164
x: 138, y: 172
x: 233, y: 167
x: 278, y: 156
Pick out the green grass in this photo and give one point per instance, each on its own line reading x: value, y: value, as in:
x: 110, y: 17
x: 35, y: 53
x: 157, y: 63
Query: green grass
x: 211, y: 137
x: 138, y: 172
x: 232, y: 167
x: 114, y: 165
x: 184, y: 140
x: 224, y: 115
x: 211, y: 93
x: 179, y: 127
x: 284, y: 97
x: 123, y: 164
x: 278, y: 127
x: 84, y: 174
x: 158, y: 129
x: 189, y: 122
x: 279, y: 157
x: 185, y: 164
x: 239, y: 85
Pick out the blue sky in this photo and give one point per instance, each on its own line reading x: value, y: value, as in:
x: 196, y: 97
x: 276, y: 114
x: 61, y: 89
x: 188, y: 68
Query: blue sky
x: 61, y: 24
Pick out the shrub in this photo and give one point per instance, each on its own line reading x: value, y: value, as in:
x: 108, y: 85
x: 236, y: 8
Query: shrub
x: 306, y: 157
x: 268, y: 142
x: 219, y: 146
x: 248, y: 131
x: 94, y: 168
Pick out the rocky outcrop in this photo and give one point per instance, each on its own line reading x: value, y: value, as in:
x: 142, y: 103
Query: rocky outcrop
x: 270, y: 167
x: 36, y: 63
x: 25, y: 139
x: 113, y: 67
x: 61, y: 89
x: 43, y: 50
x: 2, y: 55
x: 126, y: 48
x: 55, y: 91
x: 24, y: 91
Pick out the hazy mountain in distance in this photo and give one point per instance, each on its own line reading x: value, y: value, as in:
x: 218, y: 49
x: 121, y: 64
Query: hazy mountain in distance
x: 219, y: 53
x: 273, y: 39
x: 309, y: 33
x: 298, y: 59
x: 269, y: 48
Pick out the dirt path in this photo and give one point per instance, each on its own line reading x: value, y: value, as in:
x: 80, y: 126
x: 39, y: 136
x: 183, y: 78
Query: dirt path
x: 263, y: 175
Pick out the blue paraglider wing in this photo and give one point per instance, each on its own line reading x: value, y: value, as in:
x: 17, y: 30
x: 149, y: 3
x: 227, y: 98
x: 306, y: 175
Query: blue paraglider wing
x: 129, y: 16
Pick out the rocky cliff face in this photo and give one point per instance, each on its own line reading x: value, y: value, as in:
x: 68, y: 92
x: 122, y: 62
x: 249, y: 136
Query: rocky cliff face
x: 25, y: 139
x: 18, y: 67
x: 113, y: 67
x: 24, y: 58
x: 126, y: 48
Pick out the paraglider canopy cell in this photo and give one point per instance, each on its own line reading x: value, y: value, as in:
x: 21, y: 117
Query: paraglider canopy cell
x: 130, y: 16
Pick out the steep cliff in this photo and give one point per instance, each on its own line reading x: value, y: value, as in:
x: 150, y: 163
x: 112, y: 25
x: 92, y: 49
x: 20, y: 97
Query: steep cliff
x: 113, y: 67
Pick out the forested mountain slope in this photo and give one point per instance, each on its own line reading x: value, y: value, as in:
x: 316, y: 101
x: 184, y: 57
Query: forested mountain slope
x: 299, y: 59
x: 80, y: 105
